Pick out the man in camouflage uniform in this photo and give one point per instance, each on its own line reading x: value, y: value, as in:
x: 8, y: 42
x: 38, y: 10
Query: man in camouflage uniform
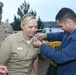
x: 5, y: 29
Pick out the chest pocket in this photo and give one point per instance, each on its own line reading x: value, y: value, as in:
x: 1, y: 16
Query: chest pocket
x: 18, y: 52
x: 22, y: 51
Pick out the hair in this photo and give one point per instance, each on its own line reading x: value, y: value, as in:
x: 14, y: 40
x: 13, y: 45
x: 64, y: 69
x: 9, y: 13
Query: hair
x: 64, y: 14
x: 26, y: 18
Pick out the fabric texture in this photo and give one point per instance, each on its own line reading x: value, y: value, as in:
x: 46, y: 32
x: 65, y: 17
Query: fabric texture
x: 66, y: 56
x: 17, y: 55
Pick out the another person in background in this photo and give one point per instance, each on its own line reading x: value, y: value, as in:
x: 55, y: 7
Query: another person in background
x: 17, y: 51
x: 5, y: 29
x: 66, y: 56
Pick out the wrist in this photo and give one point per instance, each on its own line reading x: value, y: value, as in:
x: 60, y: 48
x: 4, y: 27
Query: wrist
x: 40, y: 44
x: 45, y: 35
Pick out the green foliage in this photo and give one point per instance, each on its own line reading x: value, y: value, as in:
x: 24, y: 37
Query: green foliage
x: 40, y: 25
x: 24, y: 9
x: 16, y: 24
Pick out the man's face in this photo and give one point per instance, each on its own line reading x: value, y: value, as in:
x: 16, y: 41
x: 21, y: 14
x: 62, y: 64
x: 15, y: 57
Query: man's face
x: 64, y: 26
x: 30, y: 28
x: 0, y: 16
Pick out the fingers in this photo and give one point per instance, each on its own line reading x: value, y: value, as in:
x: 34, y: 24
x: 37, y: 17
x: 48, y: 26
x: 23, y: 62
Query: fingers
x: 40, y: 36
x: 3, y: 70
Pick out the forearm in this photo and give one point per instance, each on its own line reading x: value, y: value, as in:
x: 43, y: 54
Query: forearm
x: 35, y: 65
x: 54, y: 36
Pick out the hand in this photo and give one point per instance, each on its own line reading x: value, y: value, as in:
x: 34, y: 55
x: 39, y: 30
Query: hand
x: 3, y: 70
x: 37, y: 42
x: 41, y: 36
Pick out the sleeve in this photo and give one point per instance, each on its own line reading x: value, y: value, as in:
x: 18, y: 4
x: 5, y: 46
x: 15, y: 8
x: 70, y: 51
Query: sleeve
x: 60, y: 56
x: 55, y: 36
x: 5, y: 51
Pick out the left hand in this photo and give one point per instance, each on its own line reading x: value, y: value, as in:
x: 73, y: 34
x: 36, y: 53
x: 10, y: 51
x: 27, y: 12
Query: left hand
x: 37, y: 42
x: 3, y: 70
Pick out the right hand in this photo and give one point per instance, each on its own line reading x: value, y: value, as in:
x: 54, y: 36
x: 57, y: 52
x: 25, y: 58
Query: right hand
x: 41, y: 36
x: 3, y: 70
x: 37, y: 43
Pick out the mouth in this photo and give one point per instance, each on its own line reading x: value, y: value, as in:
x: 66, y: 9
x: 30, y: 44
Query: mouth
x: 32, y: 34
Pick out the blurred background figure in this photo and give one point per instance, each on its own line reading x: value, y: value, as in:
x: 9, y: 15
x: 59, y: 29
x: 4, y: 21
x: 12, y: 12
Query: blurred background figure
x: 5, y: 29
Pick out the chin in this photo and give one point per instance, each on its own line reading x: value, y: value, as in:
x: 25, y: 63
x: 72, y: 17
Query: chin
x: 31, y: 35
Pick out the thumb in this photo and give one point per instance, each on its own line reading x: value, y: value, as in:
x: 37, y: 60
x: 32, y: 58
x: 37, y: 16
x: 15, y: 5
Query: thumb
x: 35, y: 39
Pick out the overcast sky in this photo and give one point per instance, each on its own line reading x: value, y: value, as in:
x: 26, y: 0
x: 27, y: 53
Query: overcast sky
x: 46, y: 9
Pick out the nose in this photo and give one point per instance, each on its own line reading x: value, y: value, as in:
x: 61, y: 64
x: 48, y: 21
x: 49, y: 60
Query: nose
x: 34, y: 29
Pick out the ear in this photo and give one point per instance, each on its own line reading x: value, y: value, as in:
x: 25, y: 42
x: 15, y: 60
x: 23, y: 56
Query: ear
x: 69, y: 22
x: 21, y: 26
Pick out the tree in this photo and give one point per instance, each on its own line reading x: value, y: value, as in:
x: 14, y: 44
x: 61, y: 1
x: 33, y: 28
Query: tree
x: 23, y: 9
x: 40, y: 25
x: 16, y: 24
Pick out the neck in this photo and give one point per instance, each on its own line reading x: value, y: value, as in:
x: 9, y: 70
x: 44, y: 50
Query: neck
x: 26, y: 36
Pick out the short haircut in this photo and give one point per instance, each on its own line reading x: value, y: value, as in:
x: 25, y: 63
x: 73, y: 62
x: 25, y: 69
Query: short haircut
x: 66, y: 13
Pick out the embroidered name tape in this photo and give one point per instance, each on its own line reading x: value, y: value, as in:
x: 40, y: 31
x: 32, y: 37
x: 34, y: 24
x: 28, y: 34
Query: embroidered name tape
x: 19, y: 48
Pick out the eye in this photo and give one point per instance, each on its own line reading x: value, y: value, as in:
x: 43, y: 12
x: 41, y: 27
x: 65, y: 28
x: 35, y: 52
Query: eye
x: 31, y: 27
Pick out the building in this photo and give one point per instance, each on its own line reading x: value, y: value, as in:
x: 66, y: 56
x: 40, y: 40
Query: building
x: 52, y: 27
